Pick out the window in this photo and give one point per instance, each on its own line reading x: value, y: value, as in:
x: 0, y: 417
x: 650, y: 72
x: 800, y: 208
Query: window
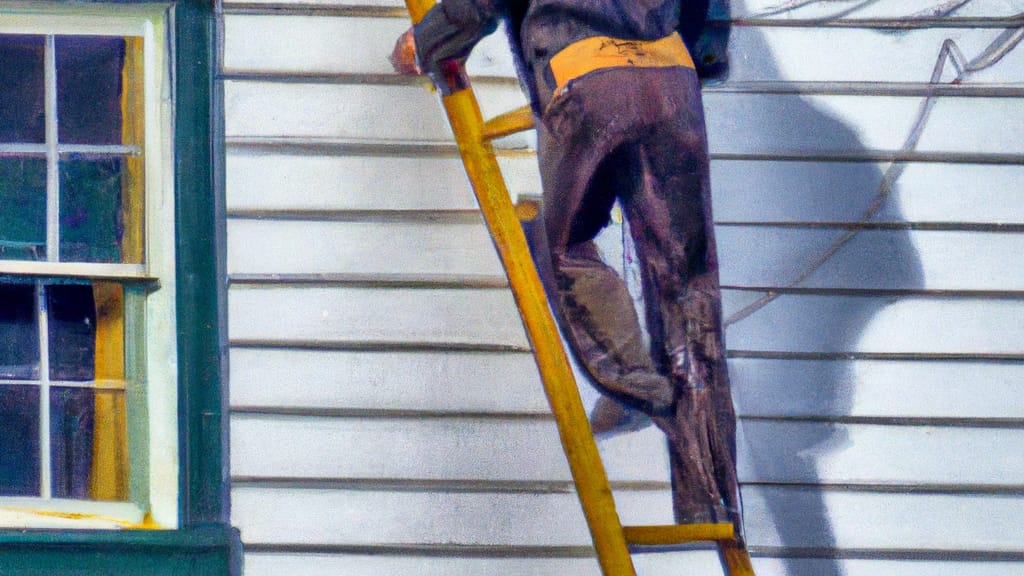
x: 88, y: 367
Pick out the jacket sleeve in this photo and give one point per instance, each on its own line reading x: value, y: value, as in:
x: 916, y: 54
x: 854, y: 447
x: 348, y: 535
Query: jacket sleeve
x: 452, y: 28
x: 704, y: 26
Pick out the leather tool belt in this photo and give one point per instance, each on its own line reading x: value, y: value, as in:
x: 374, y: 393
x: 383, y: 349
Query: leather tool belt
x: 599, y: 52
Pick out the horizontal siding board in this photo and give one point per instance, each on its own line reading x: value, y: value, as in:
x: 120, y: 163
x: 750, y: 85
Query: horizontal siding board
x: 506, y: 382
x: 366, y: 380
x: 467, y: 317
x: 704, y: 562
x: 761, y: 124
x: 297, y: 182
x: 304, y: 247
x: 351, y: 112
x: 260, y: 564
x: 311, y: 45
x: 744, y: 190
x: 775, y: 516
x: 877, y: 389
x: 303, y: 44
x: 761, y: 255
x: 778, y: 191
x: 766, y: 124
x: 433, y: 449
x: 369, y: 517
x: 517, y: 450
x: 268, y: 182
x: 780, y: 53
x: 881, y: 566
x: 879, y: 325
x: 698, y: 562
x: 895, y: 9
x: 805, y: 517
x: 815, y: 452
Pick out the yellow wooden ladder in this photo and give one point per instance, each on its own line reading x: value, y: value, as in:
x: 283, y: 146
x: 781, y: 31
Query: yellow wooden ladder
x: 612, y: 540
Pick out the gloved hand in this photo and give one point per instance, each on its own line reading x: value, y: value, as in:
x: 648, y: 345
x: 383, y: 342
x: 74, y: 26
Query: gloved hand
x: 403, y: 57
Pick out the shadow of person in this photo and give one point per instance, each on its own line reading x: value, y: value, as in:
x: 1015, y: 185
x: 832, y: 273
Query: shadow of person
x: 841, y: 276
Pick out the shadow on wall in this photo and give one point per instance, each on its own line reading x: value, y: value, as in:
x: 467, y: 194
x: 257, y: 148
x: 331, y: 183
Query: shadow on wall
x: 789, y: 517
x: 824, y: 321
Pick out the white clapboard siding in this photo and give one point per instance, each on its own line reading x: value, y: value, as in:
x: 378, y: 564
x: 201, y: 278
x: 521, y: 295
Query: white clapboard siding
x: 379, y: 428
x: 501, y: 382
x: 889, y: 389
x: 312, y: 44
x: 751, y: 256
x: 350, y: 112
x: 702, y: 563
x: 870, y: 259
x: 782, y: 9
x: 460, y: 448
x: 307, y: 182
x: 430, y: 248
x: 906, y: 10
x: 418, y: 381
x: 744, y: 190
x: 775, y: 516
x: 754, y: 124
x: 795, y: 192
x: 881, y: 325
x: 441, y: 316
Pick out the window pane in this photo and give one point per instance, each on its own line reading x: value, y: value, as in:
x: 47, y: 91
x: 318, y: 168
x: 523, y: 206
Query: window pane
x: 19, y: 440
x: 71, y: 433
x: 91, y: 224
x: 19, y: 337
x: 72, y: 331
x: 22, y: 208
x: 89, y: 89
x: 22, y: 98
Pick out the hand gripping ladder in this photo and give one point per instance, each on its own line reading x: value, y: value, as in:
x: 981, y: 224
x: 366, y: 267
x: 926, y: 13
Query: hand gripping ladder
x: 611, y: 539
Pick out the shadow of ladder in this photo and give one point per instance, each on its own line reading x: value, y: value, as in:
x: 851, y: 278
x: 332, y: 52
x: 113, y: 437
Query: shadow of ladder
x: 612, y: 540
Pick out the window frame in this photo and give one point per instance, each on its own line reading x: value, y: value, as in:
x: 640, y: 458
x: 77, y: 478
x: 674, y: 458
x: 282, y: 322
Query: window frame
x: 204, y: 542
x: 152, y: 394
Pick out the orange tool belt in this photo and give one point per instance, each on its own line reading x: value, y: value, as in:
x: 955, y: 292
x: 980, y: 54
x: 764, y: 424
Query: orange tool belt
x: 599, y: 52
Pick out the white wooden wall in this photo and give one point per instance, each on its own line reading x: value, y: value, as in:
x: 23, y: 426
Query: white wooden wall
x: 386, y: 414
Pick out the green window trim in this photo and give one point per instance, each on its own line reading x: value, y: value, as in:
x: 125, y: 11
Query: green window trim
x: 204, y: 542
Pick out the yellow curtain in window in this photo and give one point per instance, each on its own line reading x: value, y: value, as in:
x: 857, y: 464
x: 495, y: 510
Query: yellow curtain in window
x: 109, y: 477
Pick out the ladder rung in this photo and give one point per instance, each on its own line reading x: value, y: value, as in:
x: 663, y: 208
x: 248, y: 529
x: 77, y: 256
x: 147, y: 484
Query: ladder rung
x: 508, y: 123
x: 678, y: 533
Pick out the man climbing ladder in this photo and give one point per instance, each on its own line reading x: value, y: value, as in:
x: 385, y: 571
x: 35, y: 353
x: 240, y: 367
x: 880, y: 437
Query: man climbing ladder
x: 618, y: 97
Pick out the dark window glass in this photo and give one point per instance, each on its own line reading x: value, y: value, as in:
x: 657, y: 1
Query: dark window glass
x: 72, y: 332
x: 91, y: 227
x: 22, y: 97
x: 71, y: 433
x: 22, y: 208
x: 19, y: 440
x: 89, y: 89
x: 19, y: 336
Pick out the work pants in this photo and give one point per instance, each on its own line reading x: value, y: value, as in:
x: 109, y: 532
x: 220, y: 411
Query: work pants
x: 637, y: 135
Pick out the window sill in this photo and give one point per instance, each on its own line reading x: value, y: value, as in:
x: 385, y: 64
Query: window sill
x: 213, y: 549
x: 60, y: 514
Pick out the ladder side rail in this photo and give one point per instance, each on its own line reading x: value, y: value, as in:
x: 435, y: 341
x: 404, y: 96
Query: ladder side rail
x: 585, y: 464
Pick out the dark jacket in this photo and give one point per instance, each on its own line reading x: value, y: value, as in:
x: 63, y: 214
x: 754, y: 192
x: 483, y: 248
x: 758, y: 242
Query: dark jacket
x: 539, y: 29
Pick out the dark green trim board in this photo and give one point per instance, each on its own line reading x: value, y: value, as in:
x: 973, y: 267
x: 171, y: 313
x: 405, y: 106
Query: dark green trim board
x: 205, y: 551
x: 204, y: 478
x: 204, y: 543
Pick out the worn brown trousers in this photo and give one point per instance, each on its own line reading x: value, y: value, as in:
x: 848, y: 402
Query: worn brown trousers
x: 637, y: 135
